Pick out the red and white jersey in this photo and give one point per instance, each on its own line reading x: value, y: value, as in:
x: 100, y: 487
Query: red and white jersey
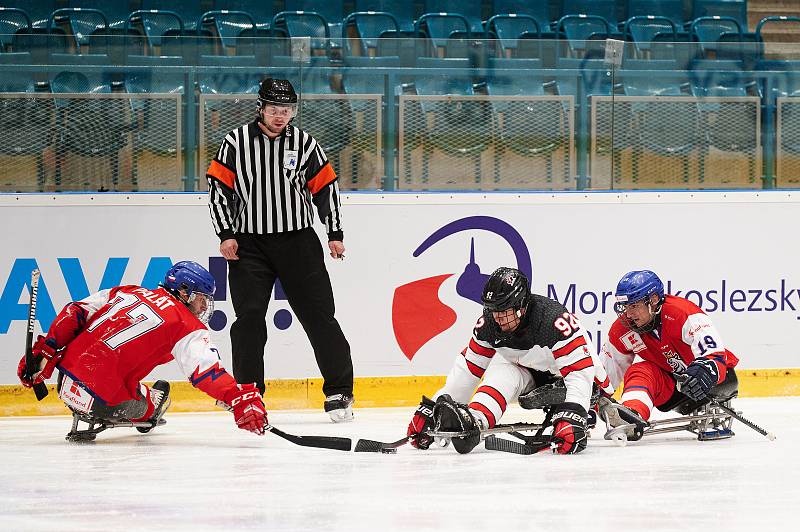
x: 686, y: 333
x: 114, y: 338
x: 549, y: 339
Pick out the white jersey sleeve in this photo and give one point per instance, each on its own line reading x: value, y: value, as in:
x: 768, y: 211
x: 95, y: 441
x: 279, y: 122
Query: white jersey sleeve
x: 700, y: 333
x: 615, y: 362
x: 467, y: 371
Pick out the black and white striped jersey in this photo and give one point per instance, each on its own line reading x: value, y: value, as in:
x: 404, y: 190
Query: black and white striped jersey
x: 260, y: 185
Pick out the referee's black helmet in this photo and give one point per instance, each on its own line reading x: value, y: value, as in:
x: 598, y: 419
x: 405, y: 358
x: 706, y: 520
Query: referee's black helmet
x: 276, y: 92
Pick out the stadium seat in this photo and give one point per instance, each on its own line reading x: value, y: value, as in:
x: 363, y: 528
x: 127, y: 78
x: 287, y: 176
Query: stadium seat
x: 227, y: 25
x: 115, y: 11
x: 369, y: 26
x: 606, y: 9
x: 154, y: 24
x: 439, y: 26
x: 508, y: 28
x: 40, y: 43
x: 332, y: 11
x: 540, y: 11
x: 189, y: 11
x: 469, y: 9
x: 735, y: 9
x: 641, y: 30
x: 305, y: 24
x: 38, y: 10
x: 401, y: 10
x: 261, y: 11
x: 579, y: 29
x: 82, y: 22
x: 707, y: 30
x: 671, y: 9
x: 11, y: 21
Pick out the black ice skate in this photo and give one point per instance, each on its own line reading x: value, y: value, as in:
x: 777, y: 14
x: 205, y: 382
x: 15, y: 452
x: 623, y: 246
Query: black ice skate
x: 159, y: 393
x: 340, y: 407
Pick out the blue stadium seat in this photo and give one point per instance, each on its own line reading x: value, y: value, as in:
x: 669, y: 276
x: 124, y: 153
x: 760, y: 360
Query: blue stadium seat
x: 540, y: 11
x: 606, y: 9
x: 115, y: 11
x: 401, y: 10
x: 38, y: 10
x: 305, y: 24
x: 641, y: 30
x: 667, y: 84
x: 263, y: 44
x: 469, y: 9
x: 718, y: 79
x: 735, y: 9
x: 82, y: 22
x: 707, y: 30
x: 260, y: 10
x: 40, y: 43
x: 11, y: 21
x: 331, y: 10
x: 228, y: 25
x: 509, y: 27
x: 154, y: 24
x: 189, y: 11
x: 369, y: 26
x: 781, y: 20
x: 671, y: 9
x: 578, y: 29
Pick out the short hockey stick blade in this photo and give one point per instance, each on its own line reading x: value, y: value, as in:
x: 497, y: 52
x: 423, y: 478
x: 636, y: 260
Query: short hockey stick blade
x: 372, y: 446
x: 532, y: 444
x: 321, y: 442
x: 735, y: 415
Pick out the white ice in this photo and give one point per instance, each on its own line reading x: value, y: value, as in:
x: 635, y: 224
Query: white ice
x: 198, y: 472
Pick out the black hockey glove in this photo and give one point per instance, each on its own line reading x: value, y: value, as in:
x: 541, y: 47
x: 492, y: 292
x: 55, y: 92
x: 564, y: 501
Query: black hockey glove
x: 569, y: 428
x: 700, y: 376
x: 421, y: 423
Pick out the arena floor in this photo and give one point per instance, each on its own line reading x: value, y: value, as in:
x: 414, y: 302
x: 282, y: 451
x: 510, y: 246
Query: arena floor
x: 199, y: 473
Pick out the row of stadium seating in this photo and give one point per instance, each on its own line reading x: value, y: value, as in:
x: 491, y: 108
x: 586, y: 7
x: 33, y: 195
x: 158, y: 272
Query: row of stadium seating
x: 328, y: 25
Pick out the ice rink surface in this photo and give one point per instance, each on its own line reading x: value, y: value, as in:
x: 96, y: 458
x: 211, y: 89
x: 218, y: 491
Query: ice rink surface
x: 198, y: 472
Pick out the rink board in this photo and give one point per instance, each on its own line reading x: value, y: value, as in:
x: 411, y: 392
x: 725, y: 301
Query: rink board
x: 406, y: 293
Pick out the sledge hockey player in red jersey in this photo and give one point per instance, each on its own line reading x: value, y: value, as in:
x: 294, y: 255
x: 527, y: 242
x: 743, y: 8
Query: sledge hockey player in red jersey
x: 522, y: 341
x: 684, y: 362
x: 105, y: 344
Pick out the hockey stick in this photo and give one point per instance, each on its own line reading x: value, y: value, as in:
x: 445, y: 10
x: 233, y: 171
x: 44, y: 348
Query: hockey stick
x: 532, y: 445
x: 735, y: 415
x: 321, y: 442
x: 39, y: 389
x: 372, y: 446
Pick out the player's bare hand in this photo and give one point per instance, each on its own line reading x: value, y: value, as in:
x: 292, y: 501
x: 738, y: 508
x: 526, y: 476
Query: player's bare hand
x: 228, y: 248
x: 337, y: 249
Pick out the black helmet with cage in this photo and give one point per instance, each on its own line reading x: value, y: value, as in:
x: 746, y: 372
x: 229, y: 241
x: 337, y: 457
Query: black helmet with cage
x: 507, y: 288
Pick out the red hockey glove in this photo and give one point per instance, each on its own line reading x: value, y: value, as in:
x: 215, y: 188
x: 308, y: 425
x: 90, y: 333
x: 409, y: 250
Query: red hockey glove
x: 569, y: 428
x: 421, y: 422
x: 44, y: 348
x: 248, y: 408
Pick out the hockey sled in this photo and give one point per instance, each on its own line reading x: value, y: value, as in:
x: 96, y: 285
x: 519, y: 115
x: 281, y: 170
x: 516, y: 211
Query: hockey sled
x: 96, y: 426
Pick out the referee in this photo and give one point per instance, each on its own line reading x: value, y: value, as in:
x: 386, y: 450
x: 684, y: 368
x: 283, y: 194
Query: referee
x: 262, y: 184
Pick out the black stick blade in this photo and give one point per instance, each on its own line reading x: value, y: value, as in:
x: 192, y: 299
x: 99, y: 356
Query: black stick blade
x: 493, y: 443
x: 369, y: 446
x: 322, y: 442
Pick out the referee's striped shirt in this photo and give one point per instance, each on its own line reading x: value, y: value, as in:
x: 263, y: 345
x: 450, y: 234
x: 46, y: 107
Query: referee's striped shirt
x: 261, y: 185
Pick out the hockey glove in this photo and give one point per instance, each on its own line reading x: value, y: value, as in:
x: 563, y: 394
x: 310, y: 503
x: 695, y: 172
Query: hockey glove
x: 569, y: 428
x: 420, y: 423
x: 44, y: 348
x: 700, y: 376
x: 248, y: 408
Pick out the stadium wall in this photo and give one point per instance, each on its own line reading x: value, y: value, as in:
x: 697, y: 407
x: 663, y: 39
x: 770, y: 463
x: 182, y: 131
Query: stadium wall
x: 406, y: 293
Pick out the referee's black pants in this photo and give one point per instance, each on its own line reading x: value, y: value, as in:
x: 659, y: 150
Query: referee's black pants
x: 297, y: 259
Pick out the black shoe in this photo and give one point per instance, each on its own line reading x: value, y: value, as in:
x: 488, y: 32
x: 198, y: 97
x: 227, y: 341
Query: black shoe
x: 159, y: 394
x: 340, y: 407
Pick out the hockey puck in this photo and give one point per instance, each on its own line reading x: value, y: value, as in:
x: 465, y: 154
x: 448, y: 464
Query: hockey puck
x: 388, y: 450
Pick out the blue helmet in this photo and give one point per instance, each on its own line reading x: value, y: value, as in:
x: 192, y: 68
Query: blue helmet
x: 189, y: 276
x: 636, y: 286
